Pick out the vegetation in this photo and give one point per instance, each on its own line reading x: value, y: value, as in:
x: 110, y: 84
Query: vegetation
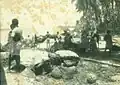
x: 100, y: 14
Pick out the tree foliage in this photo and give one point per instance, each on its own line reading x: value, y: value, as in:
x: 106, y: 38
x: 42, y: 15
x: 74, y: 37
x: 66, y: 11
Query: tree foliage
x: 103, y: 13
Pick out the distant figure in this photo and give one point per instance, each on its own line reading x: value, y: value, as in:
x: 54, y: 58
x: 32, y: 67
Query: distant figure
x: 16, y: 37
x: 28, y: 40
x: 97, y: 37
x: 67, y: 40
x: 35, y: 40
x: 48, y: 40
x: 77, y: 27
x: 108, y: 39
x: 28, y: 36
x: 84, y: 45
x: 93, y: 45
x: 58, y: 40
x: 58, y: 37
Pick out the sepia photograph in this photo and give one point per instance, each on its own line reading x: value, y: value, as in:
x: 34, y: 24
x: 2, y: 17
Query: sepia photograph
x: 59, y: 42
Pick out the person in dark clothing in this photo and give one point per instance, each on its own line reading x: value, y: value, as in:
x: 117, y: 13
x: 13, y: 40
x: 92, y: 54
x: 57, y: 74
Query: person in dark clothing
x: 58, y: 37
x: 68, y: 42
x: 97, y: 37
x: 35, y: 40
x: 93, y: 45
x: 108, y: 39
x: 58, y: 40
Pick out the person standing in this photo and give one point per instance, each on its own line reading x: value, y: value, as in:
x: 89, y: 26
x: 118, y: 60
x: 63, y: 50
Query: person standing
x: 16, y: 38
x: 77, y: 27
x: 108, y: 40
x: 93, y: 45
x: 48, y: 40
x: 68, y: 42
x: 97, y: 37
x: 58, y: 40
x: 28, y: 41
x: 58, y: 37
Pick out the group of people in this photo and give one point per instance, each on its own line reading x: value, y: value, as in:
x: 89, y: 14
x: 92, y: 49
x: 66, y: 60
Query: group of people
x: 107, y: 39
x: 15, y: 42
x: 57, y: 38
x: 90, y: 40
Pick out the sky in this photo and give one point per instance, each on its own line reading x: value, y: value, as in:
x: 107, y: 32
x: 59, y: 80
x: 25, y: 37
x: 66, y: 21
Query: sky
x: 37, y: 16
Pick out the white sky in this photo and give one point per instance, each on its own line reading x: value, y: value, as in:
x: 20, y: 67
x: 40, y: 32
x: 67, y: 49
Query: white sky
x: 37, y: 16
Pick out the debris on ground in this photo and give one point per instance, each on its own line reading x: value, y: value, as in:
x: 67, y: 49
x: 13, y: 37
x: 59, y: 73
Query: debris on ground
x: 86, y: 72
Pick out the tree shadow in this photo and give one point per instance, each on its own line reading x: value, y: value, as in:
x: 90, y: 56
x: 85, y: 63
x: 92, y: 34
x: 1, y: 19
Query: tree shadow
x: 101, y: 55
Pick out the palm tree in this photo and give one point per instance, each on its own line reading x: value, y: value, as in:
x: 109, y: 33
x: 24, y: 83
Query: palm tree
x: 105, y: 12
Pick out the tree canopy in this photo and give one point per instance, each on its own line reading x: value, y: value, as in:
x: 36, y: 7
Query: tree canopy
x: 104, y: 14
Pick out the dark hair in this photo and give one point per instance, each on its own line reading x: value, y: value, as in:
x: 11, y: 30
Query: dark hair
x: 108, y: 31
x: 15, y: 22
x: 77, y: 21
x: 12, y: 26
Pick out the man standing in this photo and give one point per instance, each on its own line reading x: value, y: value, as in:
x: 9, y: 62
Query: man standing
x: 108, y: 39
x: 58, y: 40
x: 77, y: 27
x: 58, y: 37
x: 16, y: 37
x: 48, y: 40
x: 67, y: 39
x: 96, y: 35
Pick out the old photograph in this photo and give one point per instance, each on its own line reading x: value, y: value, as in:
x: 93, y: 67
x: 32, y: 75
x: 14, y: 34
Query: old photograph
x: 59, y: 42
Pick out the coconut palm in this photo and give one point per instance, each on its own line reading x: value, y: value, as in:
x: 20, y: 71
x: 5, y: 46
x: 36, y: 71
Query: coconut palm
x: 105, y: 13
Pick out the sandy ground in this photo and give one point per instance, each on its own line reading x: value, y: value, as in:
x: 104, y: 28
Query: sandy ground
x: 20, y: 79
x: 28, y: 55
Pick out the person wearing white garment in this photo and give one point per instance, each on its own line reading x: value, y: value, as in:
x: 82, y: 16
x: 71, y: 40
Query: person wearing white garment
x: 16, y: 37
